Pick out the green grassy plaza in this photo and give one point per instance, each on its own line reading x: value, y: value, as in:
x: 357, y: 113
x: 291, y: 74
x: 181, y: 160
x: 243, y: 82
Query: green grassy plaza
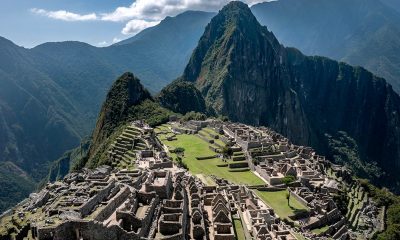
x: 196, y: 147
x: 277, y: 200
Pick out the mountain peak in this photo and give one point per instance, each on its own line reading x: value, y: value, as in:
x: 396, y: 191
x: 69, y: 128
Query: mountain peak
x: 237, y: 13
x: 232, y: 35
x: 236, y: 6
x: 127, y: 91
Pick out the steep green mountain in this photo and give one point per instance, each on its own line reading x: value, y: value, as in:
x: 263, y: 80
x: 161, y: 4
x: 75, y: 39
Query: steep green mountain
x: 50, y: 95
x: 243, y: 72
x: 126, y: 101
x: 37, y: 123
x: 360, y: 32
x: 15, y: 185
x: 182, y: 97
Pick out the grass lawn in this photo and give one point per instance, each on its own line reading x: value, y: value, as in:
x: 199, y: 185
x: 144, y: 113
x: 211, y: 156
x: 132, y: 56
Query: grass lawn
x: 239, y: 229
x: 278, y: 201
x: 207, y: 180
x: 161, y: 128
x: 320, y: 230
x: 209, y: 130
x: 299, y: 236
x: 196, y: 147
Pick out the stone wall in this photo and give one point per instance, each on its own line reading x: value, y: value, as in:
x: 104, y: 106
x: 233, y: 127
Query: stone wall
x: 298, y: 198
x: 325, y: 219
x: 88, y: 230
x: 96, y: 199
x: 161, y: 165
x: 113, y: 204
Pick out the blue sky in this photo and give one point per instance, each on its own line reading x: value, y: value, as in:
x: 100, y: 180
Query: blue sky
x: 29, y: 23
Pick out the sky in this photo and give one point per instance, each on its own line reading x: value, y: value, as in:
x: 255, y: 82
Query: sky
x: 29, y: 23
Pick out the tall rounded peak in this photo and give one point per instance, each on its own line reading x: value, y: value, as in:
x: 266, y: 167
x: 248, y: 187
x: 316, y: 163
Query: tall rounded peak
x: 236, y: 5
x: 130, y: 87
x: 236, y: 9
x: 235, y: 15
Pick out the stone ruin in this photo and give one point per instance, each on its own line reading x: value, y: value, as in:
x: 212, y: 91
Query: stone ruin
x: 144, y: 195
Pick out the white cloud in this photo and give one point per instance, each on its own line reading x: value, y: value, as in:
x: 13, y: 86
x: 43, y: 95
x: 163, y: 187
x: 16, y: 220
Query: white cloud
x: 159, y: 9
x: 141, y: 14
x: 65, y: 15
x: 136, y: 25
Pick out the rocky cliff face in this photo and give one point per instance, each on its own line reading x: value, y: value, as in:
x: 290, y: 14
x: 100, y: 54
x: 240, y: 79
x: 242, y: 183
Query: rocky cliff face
x: 244, y: 73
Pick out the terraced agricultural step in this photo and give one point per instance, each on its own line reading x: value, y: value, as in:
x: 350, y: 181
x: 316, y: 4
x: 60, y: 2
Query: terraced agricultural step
x: 120, y: 144
x: 127, y: 142
x: 127, y: 138
x: 239, y: 158
x: 118, y: 152
x: 126, y: 135
x: 141, y: 145
x: 127, y: 159
x: 131, y: 153
x: 132, y: 132
x: 120, y: 149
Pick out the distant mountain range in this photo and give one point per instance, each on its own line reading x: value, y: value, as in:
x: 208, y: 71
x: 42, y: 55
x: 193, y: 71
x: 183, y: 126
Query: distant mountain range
x: 50, y: 95
x: 360, y: 32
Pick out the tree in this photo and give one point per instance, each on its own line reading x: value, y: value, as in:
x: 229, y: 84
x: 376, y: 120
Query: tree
x: 180, y: 163
x: 180, y: 151
x: 288, y: 179
x: 227, y: 151
x: 288, y: 198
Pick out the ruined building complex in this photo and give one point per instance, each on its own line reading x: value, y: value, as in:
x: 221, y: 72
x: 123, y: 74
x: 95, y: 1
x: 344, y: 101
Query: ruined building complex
x: 143, y: 194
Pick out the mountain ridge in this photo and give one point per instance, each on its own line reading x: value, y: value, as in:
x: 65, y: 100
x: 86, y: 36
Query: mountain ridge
x: 362, y: 33
x: 253, y: 79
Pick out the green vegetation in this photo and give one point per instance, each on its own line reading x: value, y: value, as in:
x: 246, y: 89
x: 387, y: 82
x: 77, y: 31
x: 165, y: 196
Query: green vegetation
x: 127, y: 101
x: 182, y: 97
x: 196, y: 147
x: 320, y: 230
x: 206, y: 179
x: 15, y: 185
x: 392, y: 203
x: 288, y: 179
x: 344, y: 150
x: 299, y: 236
x: 69, y: 161
x: 194, y: 116
x: 278, y: 201
x: 237, y: 223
